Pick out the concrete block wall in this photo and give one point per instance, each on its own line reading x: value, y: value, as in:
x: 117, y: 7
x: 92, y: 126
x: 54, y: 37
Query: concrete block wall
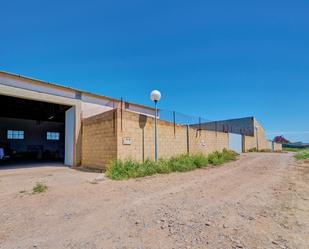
x: 259, y: 139
x: 140, y: 130
x: 277, y: 147
x: 269, y: 145
x: 122, y: 134
x: 103, y: 139
x: 99, y: 140
x: 172, y: 140
x: 207, y: 141
x: 274, y: 146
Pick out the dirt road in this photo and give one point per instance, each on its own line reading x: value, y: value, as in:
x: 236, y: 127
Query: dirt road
x: 260, y: 201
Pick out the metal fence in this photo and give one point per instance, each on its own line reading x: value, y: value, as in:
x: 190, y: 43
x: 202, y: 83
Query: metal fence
x: 243, y: 126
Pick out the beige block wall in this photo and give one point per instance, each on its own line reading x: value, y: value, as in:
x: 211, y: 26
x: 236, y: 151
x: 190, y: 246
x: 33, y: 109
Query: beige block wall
x: 269, y: 145
x: 277, y: 147
x: 171, y: 140
x: 207, y: 141
x: 259, y: 138
x: 99, y: 140
x: 102, y: 139
x: 140, y: 129
x: 250, y: 142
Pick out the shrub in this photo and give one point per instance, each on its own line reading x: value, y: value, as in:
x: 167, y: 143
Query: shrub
x: 252, y: 150
x: 215, y: 158
x: 218, y: 158
x: 131, y: 169
x: 229, y: 155
x: 261, y: 150
x: 123, y: 169
x: 288, y: 149
x: 302, y: 155
x: 281, y: 140
x: 181, y: 163
x: 200, y: 160
x: 39, y: 188
x: 265, y: 150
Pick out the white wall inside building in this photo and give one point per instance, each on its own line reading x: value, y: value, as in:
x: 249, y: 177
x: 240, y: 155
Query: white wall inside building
x: 69, y: 136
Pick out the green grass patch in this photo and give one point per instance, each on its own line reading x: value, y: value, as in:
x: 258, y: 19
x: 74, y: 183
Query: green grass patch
x: 301, y: 155
x: 292, y: 149
x: 253, y: 150
x: 261, y: 150
x: 39, y: 188
x: 125, y: 169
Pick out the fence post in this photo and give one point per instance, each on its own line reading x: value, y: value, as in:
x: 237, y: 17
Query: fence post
x: 174, y: 120
x: 216, y: 128
x: 188, y: 140
x: 200, y: 126
x: 114, y: 120
x: 272, y: 146
x: 121, y: 112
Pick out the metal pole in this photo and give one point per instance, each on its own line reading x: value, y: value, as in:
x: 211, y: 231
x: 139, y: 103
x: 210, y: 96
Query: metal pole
x: 200, y: 126
x: 272, y: 146
x: 121, y: 112
x: 188, y: 140
x: 174, y: 120
x: 156, y: 138
x: 257, y: 139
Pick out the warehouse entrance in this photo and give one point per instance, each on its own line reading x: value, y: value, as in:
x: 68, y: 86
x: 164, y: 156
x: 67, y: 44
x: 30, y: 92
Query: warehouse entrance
x: 34, y: 131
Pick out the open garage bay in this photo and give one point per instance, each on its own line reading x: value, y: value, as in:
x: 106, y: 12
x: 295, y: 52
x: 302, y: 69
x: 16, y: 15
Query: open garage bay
x: 31, y: 131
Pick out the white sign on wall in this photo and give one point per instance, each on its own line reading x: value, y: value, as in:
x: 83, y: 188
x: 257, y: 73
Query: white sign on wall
x: 203, y: 143
x: 126, y: 141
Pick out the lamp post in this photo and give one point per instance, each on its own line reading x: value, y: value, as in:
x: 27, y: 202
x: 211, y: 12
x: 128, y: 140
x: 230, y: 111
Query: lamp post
x: 155, y: 96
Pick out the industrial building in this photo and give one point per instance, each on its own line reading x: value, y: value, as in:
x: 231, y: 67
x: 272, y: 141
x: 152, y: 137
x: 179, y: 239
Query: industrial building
x: 46, y: 121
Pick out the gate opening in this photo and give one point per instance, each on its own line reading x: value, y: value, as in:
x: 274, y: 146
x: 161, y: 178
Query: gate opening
x: 31, y: 130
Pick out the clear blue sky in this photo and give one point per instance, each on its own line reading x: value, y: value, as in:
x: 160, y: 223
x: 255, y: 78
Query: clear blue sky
x: 217, y: 59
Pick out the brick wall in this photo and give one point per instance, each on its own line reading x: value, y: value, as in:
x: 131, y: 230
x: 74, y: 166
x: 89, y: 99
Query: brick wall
x: 207, y: 141
x: 140, y: 129
x: 269, y: 145
x: 274, y: 146
x: 103, y: 138
x: 258, y: 138
x: 172, y: 140
x: 99, y: 140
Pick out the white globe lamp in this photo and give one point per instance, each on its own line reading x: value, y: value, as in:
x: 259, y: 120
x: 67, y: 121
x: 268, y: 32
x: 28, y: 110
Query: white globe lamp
x: 155, y: 95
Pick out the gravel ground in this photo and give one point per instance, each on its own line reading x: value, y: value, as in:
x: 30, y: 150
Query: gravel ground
x: 259, y: 201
